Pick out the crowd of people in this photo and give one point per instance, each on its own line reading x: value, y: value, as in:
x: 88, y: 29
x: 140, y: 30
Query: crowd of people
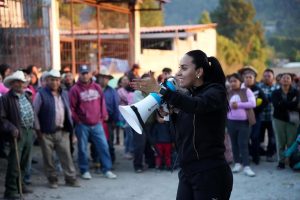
x: 56, y: 112
x: 258, y: 107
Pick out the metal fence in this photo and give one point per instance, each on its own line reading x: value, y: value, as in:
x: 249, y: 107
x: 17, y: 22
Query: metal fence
x: 82, y: 40
x: 24, y: 33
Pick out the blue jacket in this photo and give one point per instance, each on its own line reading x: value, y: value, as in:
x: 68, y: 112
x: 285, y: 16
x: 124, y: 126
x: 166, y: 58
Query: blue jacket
x: 112, y: 104
x: 46, y: 112
x: 162, y: 133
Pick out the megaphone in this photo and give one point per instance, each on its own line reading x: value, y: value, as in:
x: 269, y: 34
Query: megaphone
x: 137, y: 114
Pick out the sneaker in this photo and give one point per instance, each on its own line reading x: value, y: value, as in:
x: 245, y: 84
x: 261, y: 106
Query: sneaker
x: 237, y: 168
x: 128, y: 156
x: 73, y: 183
x: 248, y: 171
x: 139, y: 170
x: 86, y: 176
x: 53, y: 184
x: 110, y: 175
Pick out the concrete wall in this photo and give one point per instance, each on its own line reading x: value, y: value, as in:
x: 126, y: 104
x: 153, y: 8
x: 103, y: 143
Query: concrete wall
x: 156, y: 60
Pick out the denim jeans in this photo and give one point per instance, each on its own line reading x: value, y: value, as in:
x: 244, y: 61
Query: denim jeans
x: 239, y: 132
x: 97, y: 136
x: 128, y: 139
x: 255, y: 139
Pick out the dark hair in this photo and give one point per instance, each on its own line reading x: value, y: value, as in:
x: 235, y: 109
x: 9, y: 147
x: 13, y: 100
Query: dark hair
x: 236, y: 76
x: 135, y: 66
x: 212, y: 70
x: 286, y: 73
x: 30, y: 67
x: 269, y: 70
x: 160, y: 78
x: 167, y: 70
x: 146, y: 75
x: 3, y: 68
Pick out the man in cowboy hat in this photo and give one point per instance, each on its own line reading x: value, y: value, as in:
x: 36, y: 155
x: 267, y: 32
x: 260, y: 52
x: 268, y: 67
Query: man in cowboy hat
x: 249, y: 74
x: 16, y: 117
x: 112, y: 106
x: 53, y: 124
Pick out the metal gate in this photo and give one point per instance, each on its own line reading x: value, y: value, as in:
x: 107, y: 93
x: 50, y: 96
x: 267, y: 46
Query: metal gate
x: 88, y: 35
x: 24, y: 33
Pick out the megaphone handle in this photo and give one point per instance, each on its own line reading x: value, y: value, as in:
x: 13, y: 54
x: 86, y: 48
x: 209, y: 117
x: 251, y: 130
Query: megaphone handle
x: 135, y: 110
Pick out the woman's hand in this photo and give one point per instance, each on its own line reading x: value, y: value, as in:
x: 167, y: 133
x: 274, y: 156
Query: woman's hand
x: 146, y: 85
x: 162, y: 112
x: 234, y: 105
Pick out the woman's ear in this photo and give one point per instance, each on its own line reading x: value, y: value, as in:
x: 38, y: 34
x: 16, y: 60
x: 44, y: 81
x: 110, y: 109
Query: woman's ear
x: 199, y: 72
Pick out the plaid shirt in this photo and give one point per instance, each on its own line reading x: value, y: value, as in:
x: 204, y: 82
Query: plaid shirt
x: 268, y: 111
x: 26, y: 111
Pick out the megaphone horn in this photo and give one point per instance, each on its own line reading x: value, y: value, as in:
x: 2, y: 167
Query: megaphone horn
x: 137, y: 114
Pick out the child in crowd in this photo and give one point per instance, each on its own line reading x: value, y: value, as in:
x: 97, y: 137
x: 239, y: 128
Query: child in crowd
x: 163, y: 143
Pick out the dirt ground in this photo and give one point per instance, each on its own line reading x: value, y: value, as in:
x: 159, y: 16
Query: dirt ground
x: 269, y: 184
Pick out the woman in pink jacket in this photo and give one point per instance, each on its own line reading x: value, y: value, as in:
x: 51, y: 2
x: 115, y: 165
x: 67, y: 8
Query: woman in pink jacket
x: 240, y: 118
x: 126, y: 94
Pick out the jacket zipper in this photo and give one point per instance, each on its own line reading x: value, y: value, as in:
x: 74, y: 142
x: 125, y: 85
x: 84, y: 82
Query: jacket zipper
x: 194, y: 137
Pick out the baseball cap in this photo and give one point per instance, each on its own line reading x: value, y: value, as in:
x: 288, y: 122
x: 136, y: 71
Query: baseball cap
x: 84, y: 69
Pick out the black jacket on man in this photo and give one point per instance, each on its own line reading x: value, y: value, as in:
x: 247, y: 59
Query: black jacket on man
x: 200, y: 126
x: 259, y: 93
x: 10, y: 118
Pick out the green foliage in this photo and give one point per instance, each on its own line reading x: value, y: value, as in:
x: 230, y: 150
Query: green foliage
x: 151, y: 18
x: 187, y: 11
x: 245, y: 36
x: 235, y: 20
x: 205, y: 18
x: 291, y: 47
x: 229, y: 54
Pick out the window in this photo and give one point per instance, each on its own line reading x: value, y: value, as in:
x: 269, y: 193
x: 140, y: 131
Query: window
x: 159, y: 43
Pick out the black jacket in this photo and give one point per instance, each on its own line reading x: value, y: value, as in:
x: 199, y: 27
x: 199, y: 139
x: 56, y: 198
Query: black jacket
x: 10, y: 119
x: 259, y: 93
x: 282, y: 105
x: 200, y: 126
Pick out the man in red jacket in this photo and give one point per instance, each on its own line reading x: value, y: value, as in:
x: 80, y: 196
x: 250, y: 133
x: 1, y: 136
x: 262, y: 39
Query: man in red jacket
x: 89, y: 111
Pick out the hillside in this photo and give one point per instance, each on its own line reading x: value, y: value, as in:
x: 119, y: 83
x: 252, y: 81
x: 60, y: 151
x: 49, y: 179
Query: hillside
x: 181, y: 11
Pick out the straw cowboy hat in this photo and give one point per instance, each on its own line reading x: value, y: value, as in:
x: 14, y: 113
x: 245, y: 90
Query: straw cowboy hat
x: 52, y: 73
x: 16, y: 76
x: 104, y: 72
x: 248, y: 69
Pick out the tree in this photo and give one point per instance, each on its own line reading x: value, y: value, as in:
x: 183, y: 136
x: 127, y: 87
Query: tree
x: 236, y: 21
x: 205, y: 18
x: 229, y: 54
x: 151, y: 18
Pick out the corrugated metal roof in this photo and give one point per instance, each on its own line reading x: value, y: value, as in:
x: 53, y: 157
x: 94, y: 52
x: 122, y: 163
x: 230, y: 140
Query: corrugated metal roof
x: 158, y: 29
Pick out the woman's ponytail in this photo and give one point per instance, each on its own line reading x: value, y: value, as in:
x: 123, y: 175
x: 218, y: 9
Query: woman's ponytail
x: 215, y: 72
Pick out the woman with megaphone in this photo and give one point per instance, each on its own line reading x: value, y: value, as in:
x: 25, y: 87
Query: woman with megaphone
x: 199, y: 125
